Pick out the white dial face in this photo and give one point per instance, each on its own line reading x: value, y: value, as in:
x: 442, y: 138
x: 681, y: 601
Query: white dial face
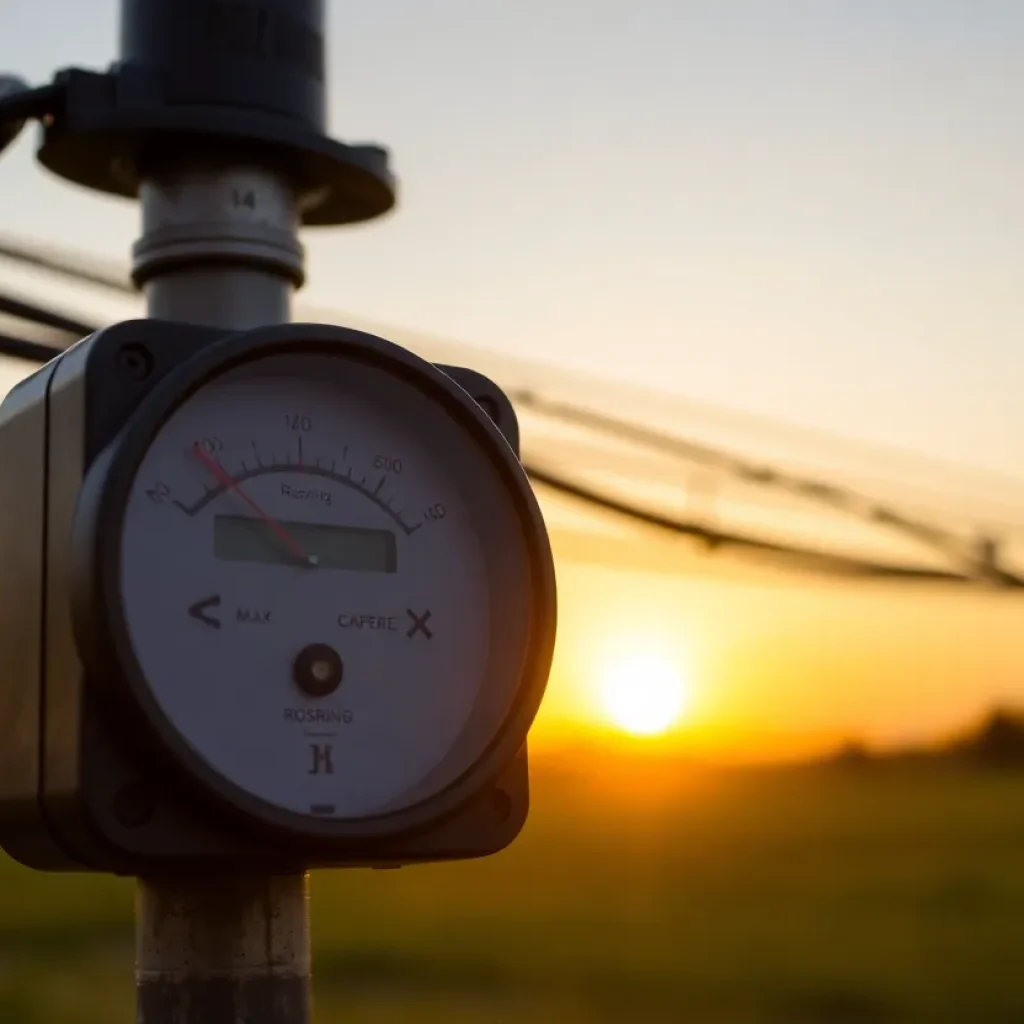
x: 306, y: 591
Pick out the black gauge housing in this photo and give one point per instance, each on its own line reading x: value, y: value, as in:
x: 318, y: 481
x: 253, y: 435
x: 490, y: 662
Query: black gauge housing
x: 91, y: 776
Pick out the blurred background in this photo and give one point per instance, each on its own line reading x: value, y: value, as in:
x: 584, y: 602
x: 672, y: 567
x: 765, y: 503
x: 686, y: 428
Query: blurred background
x: 752, y: 273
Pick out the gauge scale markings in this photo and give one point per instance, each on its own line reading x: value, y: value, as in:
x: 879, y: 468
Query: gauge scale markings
x: 265, y: 469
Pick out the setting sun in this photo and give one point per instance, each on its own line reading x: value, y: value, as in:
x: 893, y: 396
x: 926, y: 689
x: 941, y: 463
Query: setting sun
x: 643, y: 693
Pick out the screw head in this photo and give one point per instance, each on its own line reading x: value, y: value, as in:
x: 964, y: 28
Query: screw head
x: 134, y: 360
x: 134, y: 805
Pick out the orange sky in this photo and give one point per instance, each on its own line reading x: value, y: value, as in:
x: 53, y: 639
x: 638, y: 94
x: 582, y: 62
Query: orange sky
x: 781, y: 666
x: 808, y: 212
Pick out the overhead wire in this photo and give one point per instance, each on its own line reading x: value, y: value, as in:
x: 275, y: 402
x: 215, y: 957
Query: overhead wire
x: 24, y: 348
x: 836, y: 497
x: 83, y: 268
x: 796, y: 555
x: 812, y: 558
x: 65, y: 265
x: 35, y: 314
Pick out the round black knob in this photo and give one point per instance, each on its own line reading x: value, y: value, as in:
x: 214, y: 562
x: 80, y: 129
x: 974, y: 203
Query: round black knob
x: 318, y: 670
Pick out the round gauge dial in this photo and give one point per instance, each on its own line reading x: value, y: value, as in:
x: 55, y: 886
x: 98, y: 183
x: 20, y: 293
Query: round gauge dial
x: 326, y: 586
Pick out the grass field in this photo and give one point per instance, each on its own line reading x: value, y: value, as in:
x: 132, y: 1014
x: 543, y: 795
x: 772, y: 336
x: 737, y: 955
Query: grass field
x: 885, y: 893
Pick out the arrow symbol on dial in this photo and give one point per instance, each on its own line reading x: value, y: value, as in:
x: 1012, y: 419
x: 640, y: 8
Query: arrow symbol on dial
x: 198, y: 610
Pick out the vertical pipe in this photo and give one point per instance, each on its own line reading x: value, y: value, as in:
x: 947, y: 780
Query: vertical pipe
x: 219, y: 247
x: 222, y: 950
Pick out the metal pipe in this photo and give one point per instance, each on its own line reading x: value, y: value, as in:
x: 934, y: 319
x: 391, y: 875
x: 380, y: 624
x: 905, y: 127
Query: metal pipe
x: 219, y: 246
x: 223, y: 950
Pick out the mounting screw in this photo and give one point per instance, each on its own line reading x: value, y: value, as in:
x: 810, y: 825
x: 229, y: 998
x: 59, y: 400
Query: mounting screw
x: 134, y: 360
x: 134, y: 805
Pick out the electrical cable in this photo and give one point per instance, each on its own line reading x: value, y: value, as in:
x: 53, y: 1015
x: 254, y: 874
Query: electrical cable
x: 823, y: 561
x: 64, y: 265
x: 82, y: 268
x: 23, y: 348
x: 25, y: 310
x: 829, y: 562
x: 836, y: 498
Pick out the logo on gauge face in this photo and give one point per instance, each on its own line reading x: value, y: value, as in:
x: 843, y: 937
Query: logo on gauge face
x: 314, y: 494
x: 323, y: 760
x: 317, y: 716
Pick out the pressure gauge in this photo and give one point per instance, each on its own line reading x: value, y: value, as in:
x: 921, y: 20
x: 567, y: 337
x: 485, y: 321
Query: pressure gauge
x: 314, y: 573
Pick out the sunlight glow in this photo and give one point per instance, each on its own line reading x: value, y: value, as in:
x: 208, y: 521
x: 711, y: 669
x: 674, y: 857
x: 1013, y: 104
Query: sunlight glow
x: 643, y: 693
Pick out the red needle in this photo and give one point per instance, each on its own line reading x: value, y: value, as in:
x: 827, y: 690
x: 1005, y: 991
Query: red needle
x: 229, y: 482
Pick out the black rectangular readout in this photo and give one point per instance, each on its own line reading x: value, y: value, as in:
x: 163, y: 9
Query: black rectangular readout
x: 352, y: 548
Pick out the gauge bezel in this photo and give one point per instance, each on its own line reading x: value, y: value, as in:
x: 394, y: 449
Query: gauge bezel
x: 99, y: 619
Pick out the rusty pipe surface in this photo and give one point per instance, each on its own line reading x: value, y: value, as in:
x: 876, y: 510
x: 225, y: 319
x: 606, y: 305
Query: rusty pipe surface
x: 223, y: 951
